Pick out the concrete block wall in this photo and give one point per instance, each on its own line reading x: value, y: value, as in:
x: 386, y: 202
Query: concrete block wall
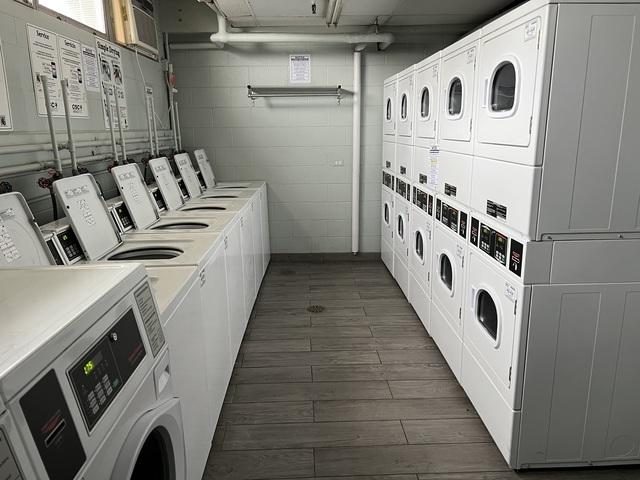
x: 29, y: 128
x: 302, y: 146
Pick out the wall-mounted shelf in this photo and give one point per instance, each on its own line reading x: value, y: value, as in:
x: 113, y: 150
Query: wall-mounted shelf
x: 288, y: 92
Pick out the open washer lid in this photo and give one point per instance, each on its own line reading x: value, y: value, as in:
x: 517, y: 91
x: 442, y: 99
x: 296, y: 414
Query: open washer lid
x: 205, y: 168
x: 189, y: 176
x: 167, y: 183
x: 136, y: 195
x: 88, y: 214
x: 21, y: 242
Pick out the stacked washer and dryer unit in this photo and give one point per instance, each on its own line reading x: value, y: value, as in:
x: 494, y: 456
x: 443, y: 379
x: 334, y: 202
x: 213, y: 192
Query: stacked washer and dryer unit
x: 533, y: 292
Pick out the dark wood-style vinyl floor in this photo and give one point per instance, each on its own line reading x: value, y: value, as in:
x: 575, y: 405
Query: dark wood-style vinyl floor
x: 358, y: 391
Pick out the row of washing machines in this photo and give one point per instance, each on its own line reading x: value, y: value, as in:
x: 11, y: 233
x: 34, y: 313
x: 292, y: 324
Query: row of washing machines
x: 510, y: 219
x: 121, y: 324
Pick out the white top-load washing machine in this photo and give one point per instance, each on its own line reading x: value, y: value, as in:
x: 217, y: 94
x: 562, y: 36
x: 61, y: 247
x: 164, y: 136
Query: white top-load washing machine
x: 448, y: 285
x: 387, y: 219
x: 401, y: 233
x: 550, y: 346
x: 100, y: 241
x: 143, y: 215
x: 85, y: 377
x: 209, y: 178
x: 420, y: 253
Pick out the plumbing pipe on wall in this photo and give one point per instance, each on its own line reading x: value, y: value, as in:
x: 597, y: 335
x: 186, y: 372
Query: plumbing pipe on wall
x: 67, y: 115
x: 123, y: 143
x: 52, y: 132
x: 149, y: 127
x: 114, y: 148
x: 175, y: 105
x: 357, y: 117
x: 155, y: 128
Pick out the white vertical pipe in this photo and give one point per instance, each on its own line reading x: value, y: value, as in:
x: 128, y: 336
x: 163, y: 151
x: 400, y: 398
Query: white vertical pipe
x: 357, y: 117
x: 175, y: 105
x: 123, y: 142
x: 155, y: 127
x: 112, y: 134
x: 173, y: 118
x: 54, y: 142
x: 67, y: 115
x: 149, y: 128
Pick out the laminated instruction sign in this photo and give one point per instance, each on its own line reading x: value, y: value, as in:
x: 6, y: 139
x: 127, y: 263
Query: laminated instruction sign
x: 90, y: 65
x: 112, y: 82
x: 6, y: 123
x: 58, y: 58
x: 300, y: 68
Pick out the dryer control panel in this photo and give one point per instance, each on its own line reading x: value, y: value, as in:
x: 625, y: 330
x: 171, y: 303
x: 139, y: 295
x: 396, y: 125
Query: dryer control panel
x: 403, y: 189
x: 423, y: 200
x: 504, y: 250
x: 387, y: 180
x: 452, y: 218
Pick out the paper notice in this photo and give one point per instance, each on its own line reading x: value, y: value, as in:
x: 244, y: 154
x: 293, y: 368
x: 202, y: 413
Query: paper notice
x: 90, y: 67
x: 6, y: 123
x: 299, y: 68
x: 43, y: 51
x: 112, y: 82
x: 71, y: 65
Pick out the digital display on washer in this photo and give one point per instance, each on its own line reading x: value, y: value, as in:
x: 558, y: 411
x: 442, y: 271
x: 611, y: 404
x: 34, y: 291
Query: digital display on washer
x: 494, y: 244
x: 102, y: 372
x: 125, y: 218
x: 500, y: 251
x: 450, y: 216
x: 475, y: 231
x: 70, y: 244
x: 157, y: 196
x: 387, y: 180
x: 423, y: 200
x: 403, y: 189
x: 183, y: 188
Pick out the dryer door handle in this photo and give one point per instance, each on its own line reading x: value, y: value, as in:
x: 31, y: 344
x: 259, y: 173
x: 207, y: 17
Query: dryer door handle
x: 472, y: 299
x: 485, y: 97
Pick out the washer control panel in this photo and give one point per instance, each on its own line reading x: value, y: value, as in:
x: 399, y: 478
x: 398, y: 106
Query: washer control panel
x: 452, y: 218
x: 423, y: 200
x: 157, y: 197
x: 504, y: 250
x: 102, y: 372
x: 122, y: 217
x: 403, y: 189
x: 183, y: 189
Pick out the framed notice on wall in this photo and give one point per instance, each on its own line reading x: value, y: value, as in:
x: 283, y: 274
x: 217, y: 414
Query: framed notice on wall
x: 6, y: 124
x: 300, y: 68
x: 112, y: 82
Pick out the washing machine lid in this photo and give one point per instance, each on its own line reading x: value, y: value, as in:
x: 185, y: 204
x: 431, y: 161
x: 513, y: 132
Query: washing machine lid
x: 136, y: 195
x: 167, y: 183
x: 205, y: 168
x: 89, y: 215
x: 168, y: 285
x: 21, y: 242
x: 189, y: 176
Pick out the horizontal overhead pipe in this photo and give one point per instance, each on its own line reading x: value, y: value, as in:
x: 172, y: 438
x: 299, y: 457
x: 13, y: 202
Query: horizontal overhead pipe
x: 223, y: 37
x: 39, y: 166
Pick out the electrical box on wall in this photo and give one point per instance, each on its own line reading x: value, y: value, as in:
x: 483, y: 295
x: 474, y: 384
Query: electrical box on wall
x: 134, y: 24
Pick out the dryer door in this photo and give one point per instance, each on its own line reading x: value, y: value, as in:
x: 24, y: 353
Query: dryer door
x: 491, y: 324
x: 154, y: 447
x: 389, y: 109
x: 508, y: 82
x: 405, y: 105
x: 426, y: 104
x: 456, y: 112
x: 448, y: 280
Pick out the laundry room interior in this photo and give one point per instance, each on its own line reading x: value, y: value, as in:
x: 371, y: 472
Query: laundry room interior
x: 319, y: 239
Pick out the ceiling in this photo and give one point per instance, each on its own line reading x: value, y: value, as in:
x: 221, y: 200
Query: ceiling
x: 289, y: 13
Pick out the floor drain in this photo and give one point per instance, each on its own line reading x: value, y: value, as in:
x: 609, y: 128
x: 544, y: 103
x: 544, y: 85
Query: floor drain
x: 315, y: 308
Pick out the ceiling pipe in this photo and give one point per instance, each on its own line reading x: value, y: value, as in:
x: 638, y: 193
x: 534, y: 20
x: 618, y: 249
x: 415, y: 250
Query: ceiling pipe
x: 336, y: 13
x: 223, y: 37
x: 356, y: 151
x: 331, y: 6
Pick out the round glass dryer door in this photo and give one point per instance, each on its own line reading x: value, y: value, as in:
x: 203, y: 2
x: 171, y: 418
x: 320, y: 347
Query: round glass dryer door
x: 419, y: 246
x: 454, y: 107
x: 386, y: 214
x: 400, y: 227
x: 156, y: 458
x: 425, y: 104
x: 446, y: 272
x: 487, y: 313
x: 503, y: 88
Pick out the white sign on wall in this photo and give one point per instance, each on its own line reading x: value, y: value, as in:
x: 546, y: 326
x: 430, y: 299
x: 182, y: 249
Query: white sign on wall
x: 43, y: 51
x: 300, y: 68
x: 91, y: 72
x: 112, y: 82
x: 72, y: 70
x: 6, y: 123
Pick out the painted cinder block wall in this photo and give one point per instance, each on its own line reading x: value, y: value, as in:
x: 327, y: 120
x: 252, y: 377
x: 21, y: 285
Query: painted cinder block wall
x: 293, y: 144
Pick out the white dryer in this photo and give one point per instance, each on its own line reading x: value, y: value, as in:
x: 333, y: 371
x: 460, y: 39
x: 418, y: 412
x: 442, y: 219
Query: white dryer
x: 401, y: 234
x: 404, y: 161
x: 389, y: 113
x: 453, y: 174
x: 95, y: 350
x: 427, y: 101
x: 458, y: 85
x: 406, y: 103
x: 389, y: 155
x: 448, y: 285
x: 425, y: 167
x: 420, y: 255
x: 387, y: 220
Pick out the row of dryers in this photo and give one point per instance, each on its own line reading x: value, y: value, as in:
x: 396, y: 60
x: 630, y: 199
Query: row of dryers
x: 541, y: 335
x: 529, y: 119
x: 205, y: 257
